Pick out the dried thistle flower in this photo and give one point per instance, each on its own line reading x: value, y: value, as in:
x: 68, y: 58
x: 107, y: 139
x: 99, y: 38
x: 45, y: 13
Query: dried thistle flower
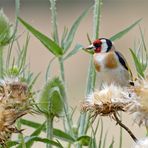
x: 14, y: 103
x: 110, y: 99
x: 139, y: 104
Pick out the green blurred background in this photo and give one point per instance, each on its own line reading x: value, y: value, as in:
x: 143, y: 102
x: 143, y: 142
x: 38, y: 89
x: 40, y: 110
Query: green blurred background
x: 116, y: 15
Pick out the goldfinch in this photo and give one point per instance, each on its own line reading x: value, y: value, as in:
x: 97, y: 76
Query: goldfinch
x: 109, y: 63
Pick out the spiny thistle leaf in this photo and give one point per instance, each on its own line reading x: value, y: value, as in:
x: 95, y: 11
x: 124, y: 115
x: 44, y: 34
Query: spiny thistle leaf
x: 52, y: 46
x: 43, y: 140
x: 125, y: 31
x: 74, y: 51
x: 56, y: 132
x: 68, y: 41
x: 35, y: 133
x: 138, y: 65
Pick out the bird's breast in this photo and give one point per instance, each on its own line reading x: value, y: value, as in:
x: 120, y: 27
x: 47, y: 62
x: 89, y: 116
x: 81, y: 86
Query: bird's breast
x: 104, y: 61
x: 109, y: 70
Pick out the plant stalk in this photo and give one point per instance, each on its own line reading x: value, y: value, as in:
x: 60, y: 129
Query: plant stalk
x: 121, y: 133
x: 66, y: 110
x: 68, y: 123
x: 1, y: 61
x: 54, y: 20
x: 17, y: 10
x: 49, y: 129
x: 18, y: 125
x: 62, y: 69
x: 125, y: 127
x: 84, y: 118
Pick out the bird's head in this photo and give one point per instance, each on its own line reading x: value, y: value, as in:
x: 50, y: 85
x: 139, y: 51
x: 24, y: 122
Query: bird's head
x: 101, y: 45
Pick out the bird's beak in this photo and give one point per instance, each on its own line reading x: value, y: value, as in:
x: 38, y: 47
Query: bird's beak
x: 90, y: 47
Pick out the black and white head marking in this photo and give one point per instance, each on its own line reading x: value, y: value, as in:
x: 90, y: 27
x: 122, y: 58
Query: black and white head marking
x: 106, y: 45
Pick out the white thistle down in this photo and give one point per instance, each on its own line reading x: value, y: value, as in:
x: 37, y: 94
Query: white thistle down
x: 139, y: 102
x: 142, y: 143
x: 109, y: 93
x: 109, y: 99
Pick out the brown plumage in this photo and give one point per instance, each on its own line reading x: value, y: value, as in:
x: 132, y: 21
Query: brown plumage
x: 110, y: 60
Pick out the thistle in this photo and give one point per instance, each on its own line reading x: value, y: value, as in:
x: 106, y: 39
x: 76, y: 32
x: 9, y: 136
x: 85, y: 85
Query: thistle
x: 14, y: 103
x: 139, y: 104
x: 110, y: 99
x: 108, y: 102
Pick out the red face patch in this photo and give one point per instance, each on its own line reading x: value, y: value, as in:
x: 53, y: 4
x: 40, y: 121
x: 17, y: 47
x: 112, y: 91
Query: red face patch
x: 97, y: 43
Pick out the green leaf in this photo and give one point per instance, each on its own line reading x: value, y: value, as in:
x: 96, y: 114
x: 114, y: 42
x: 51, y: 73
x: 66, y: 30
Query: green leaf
x: 30, y: 123
x: 51, y: 100
x: 125, y: 31
x: 22, y: 142
x: 92, y: 143
x: 74, y: 51
x: 12, y: 143
x: 64, y: 34
x: 105, y: 140
x: 52, y: 46
x: 84, y: 140
x: 101, y: 134
x: 68, y: 41
x: 35, y: 133
x: 23, y: 54
x: 112, y: 143
x: 44, y: 140
x: 48, y: 69
x: 144, y: 51
x: 56, y: 132
x: 62, y: 135
x: 33, y: 80
x: 137, y: 64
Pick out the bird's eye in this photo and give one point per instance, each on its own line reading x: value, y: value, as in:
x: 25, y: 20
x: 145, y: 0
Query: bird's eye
x: 97, y: 45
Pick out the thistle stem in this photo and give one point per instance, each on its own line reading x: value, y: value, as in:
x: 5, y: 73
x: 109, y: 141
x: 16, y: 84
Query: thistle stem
x: 62, y: 69
x: 66, y: 110
x: 84, y: 118
x: 49, y: 129
x: 125, y: 127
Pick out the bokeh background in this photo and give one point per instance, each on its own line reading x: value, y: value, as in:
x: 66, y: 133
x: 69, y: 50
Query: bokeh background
x: 116, y: 15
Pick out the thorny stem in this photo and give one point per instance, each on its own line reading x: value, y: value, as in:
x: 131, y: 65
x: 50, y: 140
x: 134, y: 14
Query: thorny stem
x: 66, y: 110
x: 125, y: 127
x: 49, y: 127
x: 84, y: 120
x: 61, y: 63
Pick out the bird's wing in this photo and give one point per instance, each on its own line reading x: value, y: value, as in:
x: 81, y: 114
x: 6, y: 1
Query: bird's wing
x: 123, y: 62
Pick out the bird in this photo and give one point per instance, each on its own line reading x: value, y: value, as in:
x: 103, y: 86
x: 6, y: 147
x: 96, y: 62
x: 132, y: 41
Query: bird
x: 111, y: 66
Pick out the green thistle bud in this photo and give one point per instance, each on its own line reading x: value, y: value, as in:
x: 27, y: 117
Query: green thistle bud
x: 5, y: 29
x: 51, y: 99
